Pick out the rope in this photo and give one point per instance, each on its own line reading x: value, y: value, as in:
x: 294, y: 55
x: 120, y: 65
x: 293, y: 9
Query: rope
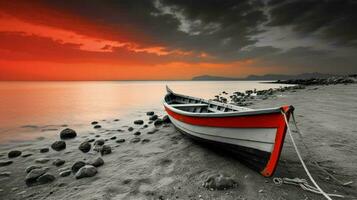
x: 300, y: 182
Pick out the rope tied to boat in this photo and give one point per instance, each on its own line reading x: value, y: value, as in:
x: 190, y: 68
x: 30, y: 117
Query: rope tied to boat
x: 302, y: 182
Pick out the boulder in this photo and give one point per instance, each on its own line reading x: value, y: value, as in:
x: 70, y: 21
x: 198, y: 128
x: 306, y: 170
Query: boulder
x: 58, y: 162
x: 68, y: 133
x: 97, y: 162
x: 45, y: 178
x: 106, y: 149
x: 14, y: 154
x: 219, y: 182
x: 58, y: 145
x: 139, y: 122
x: 77, y: 165
x: 44, y: 150
x: 85, y: 146
x: 153, y: 118
x: 86, y: 171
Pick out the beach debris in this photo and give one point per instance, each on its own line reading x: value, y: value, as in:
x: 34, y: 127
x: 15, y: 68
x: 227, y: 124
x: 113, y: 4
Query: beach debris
x: 44, y: 150
x: 5, y: 174
x: 97, y: 126
x: 42, y: 160
x: 5, y: 162
x: 45, y: 178
x: 166, y: 119
x: 58, y: 145
x: 58, y: 162
x: 219, y: 182
x: 85, y: 146
x: 94, y: 122
x: 97, y: 162
x: 158, y: 122
x: 106, y: 149
x: 14, y: 154
x: 130, y: 129
x: 139, y: 122
x: 30, y: 168
x: 77, y: 165
x: 135, y: 140
x: 150, y: 113
x: 99, y: 142
x: 120, y: 141
x: 86, y: 171
x: 68, y: 133
x: 65, y: 173
x: 144, y: 141
x: 137, y: 133
x: 153, y: 118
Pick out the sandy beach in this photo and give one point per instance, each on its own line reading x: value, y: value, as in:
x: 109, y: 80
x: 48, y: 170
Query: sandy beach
x: 164, y: 164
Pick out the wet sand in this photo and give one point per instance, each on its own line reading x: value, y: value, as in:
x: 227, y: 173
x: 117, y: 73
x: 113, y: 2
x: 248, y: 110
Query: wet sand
x: 172, y: 166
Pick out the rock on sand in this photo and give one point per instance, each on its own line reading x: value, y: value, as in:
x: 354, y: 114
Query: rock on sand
x: 14, y: 154
x: 86, y: 171
x: 77, y: 165
x: 219, y: 182
x: 68, y: 133
x: 85, y: 146
x: 58, y: 145
x: 139, y: 122
x: 97, y: 162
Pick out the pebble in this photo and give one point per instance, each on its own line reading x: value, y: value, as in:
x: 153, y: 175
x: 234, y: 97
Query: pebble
x: 152, y: 131
x: 113, y: 138
x: 91, y: 140
x: 99, y: 142
x: 144, y: 141
x: 97, y: 126
x: 44, y: 150
x: 158, y: 122
x: 97, y: 162
x: 85, y: 146
x: 153, y: 118
x: 58, y: 145
x: 68, y: 133
x: 58, y: 162
x: 130, y: 129
x: 86, y: 171
x: 150, y: 113
x: 5, y: 162
x: 14, y: 154
x: 30, y: 168
x: 106, y: 149
x: 77, y: 165
x: 145, y: 126
x: 46, y: 178
x: 26, y: 155
x: 65, y: 173
x: 94, y: 123
x: 120, y: 141
x: 139, y: 122
x: 137, y: 133
x: 42, y: 160
x: 135, y: 140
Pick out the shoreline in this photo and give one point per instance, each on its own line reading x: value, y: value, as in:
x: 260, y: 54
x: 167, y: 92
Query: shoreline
x: 171, y: 166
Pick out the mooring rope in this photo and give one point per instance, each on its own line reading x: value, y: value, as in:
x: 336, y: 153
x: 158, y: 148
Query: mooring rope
x: 301, y: 182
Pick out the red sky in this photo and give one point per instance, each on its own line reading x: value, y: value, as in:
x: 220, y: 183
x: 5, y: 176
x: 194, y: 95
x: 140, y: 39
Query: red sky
x: 45, y: 42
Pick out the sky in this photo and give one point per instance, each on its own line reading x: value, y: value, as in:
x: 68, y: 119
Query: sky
x: 174, y: 39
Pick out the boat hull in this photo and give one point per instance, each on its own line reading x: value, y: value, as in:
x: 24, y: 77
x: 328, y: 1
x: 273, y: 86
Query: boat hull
x: 257, y: 140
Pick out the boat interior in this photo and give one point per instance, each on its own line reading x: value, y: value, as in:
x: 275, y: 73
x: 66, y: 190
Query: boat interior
x: 196, y: 105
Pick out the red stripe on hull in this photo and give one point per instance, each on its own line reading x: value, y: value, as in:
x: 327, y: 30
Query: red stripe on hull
x: 273, y: 120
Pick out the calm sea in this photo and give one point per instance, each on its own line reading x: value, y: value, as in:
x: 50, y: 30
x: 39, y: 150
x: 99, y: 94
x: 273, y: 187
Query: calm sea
x: 55, y: 103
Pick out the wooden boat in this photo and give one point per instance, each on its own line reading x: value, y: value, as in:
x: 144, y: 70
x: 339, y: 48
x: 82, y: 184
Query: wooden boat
x: 256, y: 136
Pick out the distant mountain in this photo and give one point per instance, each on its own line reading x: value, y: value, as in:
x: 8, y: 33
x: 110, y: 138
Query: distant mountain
x: 262, y: 77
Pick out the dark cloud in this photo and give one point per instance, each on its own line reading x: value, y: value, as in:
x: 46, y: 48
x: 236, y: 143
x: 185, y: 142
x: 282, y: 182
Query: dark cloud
x: 331, y: 20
